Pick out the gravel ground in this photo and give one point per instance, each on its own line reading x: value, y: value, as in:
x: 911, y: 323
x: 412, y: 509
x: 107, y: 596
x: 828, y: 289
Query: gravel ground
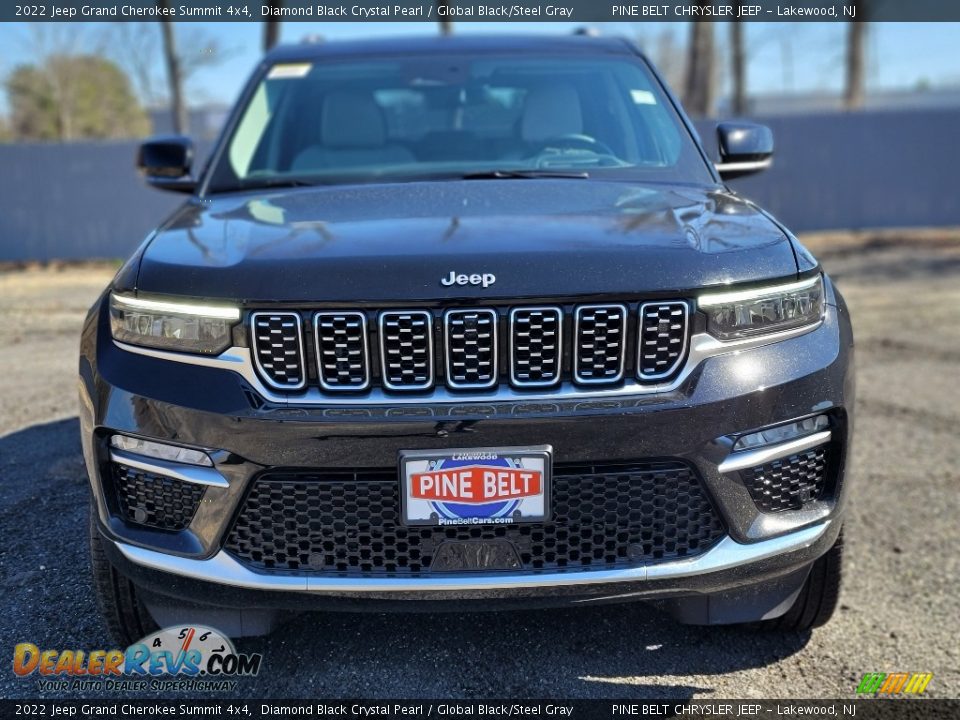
x: 900, y: 609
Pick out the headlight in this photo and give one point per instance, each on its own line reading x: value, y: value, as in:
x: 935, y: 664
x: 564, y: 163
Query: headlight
x: 171, y: 325
x: 736, y: 314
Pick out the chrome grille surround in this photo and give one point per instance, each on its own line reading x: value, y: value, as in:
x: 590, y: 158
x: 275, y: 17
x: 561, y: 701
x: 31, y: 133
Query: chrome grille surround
x: 536, y: 346
x: 471, y: 348
x: 406, y: 349
x: 268, y: 354
x: 343, y: 350
x: 593, y: 327
x: 661, y: 350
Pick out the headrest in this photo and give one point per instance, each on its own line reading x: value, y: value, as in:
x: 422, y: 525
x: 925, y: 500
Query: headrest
x: 352, y: 119
x: 550, y: 111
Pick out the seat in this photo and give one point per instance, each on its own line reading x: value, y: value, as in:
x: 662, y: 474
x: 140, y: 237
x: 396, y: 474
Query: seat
x: 550, y: 111
x: 353, y: 133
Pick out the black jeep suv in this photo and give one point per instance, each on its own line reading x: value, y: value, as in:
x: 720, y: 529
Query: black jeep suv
x: 458, y: 321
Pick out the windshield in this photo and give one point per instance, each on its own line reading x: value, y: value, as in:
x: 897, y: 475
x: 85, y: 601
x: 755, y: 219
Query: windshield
x: 433, y: 116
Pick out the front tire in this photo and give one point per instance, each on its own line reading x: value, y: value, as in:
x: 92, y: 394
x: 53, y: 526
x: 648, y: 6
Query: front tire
x: 126, y: 617
x: 818, y: 598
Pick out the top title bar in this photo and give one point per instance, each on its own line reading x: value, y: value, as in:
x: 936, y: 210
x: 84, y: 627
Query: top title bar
x: 586, y: 11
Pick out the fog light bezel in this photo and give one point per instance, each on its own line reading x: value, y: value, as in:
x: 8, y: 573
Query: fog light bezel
x: 160, y: 450
x: 768, y: 436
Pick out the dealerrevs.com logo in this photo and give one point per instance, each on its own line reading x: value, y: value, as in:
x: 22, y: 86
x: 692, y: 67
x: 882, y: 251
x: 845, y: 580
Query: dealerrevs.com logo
x: 192, y: 658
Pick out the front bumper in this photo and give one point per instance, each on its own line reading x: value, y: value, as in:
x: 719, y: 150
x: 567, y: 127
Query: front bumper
x: 218, y: 409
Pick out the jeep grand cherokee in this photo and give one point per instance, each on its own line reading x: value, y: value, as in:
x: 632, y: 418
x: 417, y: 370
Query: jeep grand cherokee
x: 465, y: 322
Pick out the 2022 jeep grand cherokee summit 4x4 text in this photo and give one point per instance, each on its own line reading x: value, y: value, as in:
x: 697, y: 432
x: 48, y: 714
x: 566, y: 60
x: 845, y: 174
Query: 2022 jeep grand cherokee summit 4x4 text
x: 459, y: 320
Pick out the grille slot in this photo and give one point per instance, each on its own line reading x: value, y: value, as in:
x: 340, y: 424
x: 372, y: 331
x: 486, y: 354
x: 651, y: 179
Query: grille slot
x: 536, y: 336
x: 155, y: 500
x: 600, y: 343
x: 347, y: 523
x: 406, y: 349
x: 788, y: 483
x: 343, y: 357
x: 471, y: 352
x: 662, y: 339
x: 278, y: 349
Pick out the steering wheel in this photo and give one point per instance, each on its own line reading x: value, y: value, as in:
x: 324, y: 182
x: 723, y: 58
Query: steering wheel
x: 575, y: 141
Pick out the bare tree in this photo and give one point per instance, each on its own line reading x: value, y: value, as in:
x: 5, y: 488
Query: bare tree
x: 699, y: 87
x: 271, y: 28
x: 134, y: 46
x: 178, y: 108
x: 738, y: 66
x: 446, y: 24
x: 855, y: 86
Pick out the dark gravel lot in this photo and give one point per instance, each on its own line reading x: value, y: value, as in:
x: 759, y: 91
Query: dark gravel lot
x: 900, y: 607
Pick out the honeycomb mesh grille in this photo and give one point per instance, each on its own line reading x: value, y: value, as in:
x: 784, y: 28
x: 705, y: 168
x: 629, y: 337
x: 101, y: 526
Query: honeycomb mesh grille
x: 599, y: 353
x: 471, y: 337
x: 662, y: 340
x: 342, y: 354
x: 536, y: 351
x: 788, y: 483
x: 350, y: 523
x: 406, y: 347
x: 154, y: 500
x: 278, y: 349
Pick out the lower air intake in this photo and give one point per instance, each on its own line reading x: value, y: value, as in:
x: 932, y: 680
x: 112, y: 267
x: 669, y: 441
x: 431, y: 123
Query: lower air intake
x: 789, y: 483
x: 155, y: 500
x: 349, y: 523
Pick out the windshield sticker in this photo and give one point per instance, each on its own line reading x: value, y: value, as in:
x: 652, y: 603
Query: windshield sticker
x: 289, y: 70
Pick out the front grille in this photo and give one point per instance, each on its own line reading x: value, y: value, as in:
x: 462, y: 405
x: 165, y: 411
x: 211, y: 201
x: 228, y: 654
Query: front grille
x: 406, y: 350
x: 471, y: 337
x: 342, y: 355
x: 601, y: 334
x: 535, y: 346
x: 154, y: 500
x: 663, y: 339
x: 788, y: 483
x: 278, y: 349
x: 349, y: 523
x: 471, y: 348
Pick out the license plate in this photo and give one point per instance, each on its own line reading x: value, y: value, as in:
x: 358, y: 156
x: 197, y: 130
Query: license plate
x: 475, y: 486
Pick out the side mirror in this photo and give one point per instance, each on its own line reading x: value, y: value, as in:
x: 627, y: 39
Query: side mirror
x: 745, y: 149
x: 166, y: 161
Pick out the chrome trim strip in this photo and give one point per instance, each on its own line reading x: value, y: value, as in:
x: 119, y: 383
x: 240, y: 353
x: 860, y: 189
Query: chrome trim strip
x: 751, y: 458
x: 366, y: 352
x: 575, y: 350
x: 431, y: 371
x: 702, y: 346
x: 196, y: 474
x: 495, y: 371
x: 222, y: 568
x: 683, y: 350
x: 256, y: 359
x: 513, y: 366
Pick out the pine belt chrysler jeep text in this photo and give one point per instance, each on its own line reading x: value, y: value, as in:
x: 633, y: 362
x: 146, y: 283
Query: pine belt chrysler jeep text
x: 459, y: 322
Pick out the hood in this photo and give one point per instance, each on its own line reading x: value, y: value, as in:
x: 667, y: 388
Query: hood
x: 538, y: 238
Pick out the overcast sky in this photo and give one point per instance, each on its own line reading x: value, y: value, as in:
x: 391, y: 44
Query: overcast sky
x: 783, y: 57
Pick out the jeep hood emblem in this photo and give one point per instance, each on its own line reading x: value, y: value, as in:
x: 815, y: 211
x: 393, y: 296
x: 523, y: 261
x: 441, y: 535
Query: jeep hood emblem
x: 454, y: 278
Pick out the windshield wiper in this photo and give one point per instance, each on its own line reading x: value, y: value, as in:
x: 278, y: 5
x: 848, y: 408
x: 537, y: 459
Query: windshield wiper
x: 262, y: 183
x: 524, y: 174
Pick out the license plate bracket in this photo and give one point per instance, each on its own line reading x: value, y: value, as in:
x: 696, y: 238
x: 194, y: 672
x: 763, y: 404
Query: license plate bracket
x: 475, y: 486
